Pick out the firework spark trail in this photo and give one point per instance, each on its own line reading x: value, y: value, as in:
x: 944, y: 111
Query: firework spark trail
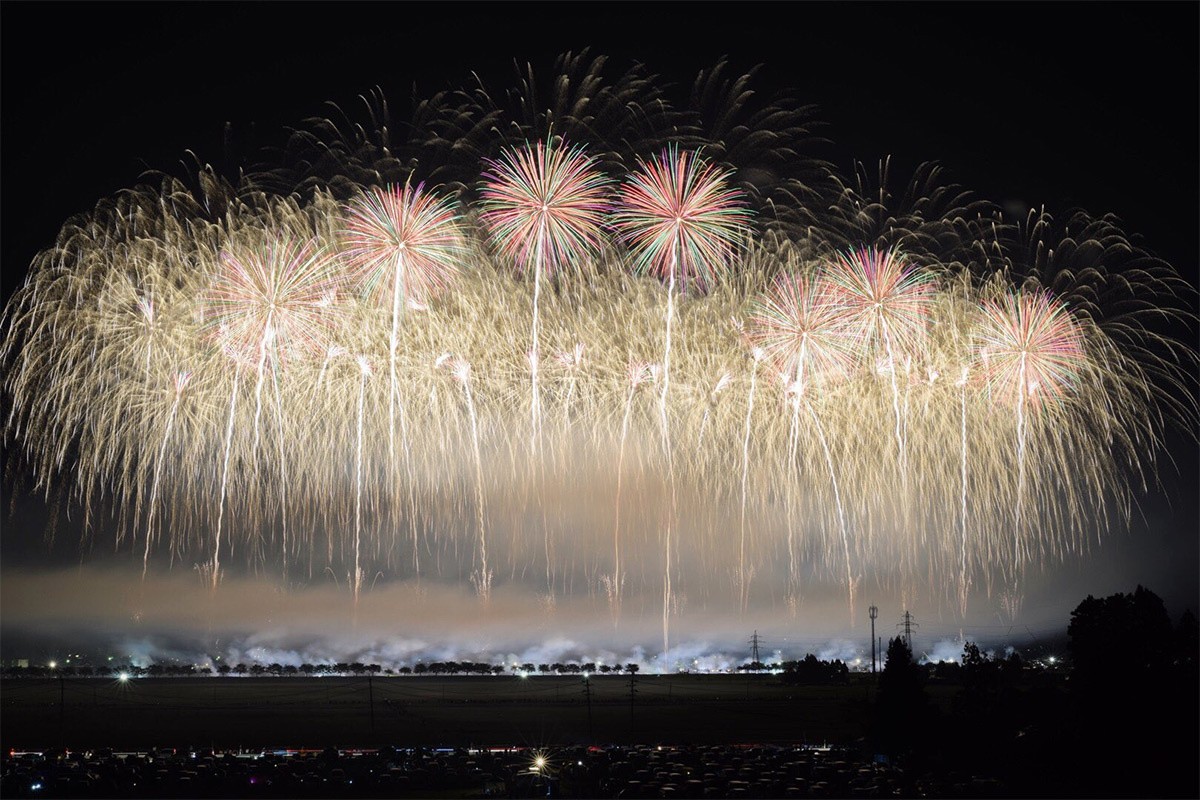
x: 146, y: 306
x: 638, y: 372
x: 1020, y: 504
x: 412, y: 495
x: 757, y: 356
x: 962, y: 573
x: 722, y: 382
x: 794, y: 463
x: 572, y: 360
x: 356, y: 581
x: 180, y: 384
x: 535, y: 405
x: 837, y: 497
x: 216, y: 559
x: 260, y: 370
x: 283, y: 472
x: 461, y: 371
x: 670, y: 456
x: 393, y: 343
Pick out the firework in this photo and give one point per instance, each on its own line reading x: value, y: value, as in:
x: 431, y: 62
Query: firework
x: 218, y: 385
x: 803, y: 327
x: 1029, y: 350
x: 543, y: 206
x: 269, y: 300
x: 683, y: 223
x: 887, y: 305
x: 1030, y: 353
x: 404, y: 246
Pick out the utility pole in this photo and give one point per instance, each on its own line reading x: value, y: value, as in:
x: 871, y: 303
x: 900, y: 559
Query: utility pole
x: 908, y: 624
x: 874, y: 612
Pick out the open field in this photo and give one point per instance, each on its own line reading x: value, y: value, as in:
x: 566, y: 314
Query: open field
x: 431, y: 711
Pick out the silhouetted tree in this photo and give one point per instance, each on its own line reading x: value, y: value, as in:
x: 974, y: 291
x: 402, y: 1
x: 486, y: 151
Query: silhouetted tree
x: 1119, y: 637
x: 901, y: 705
x: 1135, y: 705
x: 812, y: 671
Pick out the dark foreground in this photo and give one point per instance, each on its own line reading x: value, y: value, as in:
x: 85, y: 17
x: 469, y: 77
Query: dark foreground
x: 618, y: 772
x: 674, y: 736
x: 258, y: 713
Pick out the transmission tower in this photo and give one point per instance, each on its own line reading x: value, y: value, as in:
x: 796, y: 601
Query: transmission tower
x: 908, y: 624
x: 754, y: 659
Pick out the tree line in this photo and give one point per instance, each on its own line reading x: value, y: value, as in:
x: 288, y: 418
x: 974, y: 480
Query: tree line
x: 314, y: 670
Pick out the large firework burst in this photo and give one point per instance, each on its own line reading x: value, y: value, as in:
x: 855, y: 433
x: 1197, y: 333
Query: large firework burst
x: 212, y: 380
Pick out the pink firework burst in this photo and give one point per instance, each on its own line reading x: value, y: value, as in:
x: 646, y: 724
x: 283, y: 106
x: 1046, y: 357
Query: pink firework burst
x: 1028, y: 348
x: 799, y: 324
x: 885, y: 300
x: 680, y: 218
x: 406, y: 237
x: 544, y: 205
x: 269, y: 303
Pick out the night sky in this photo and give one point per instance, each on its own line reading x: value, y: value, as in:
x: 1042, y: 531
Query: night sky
x: 1062, y: 105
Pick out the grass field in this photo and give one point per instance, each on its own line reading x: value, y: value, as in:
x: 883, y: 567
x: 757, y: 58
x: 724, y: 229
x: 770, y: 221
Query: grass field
x: 430, y: 711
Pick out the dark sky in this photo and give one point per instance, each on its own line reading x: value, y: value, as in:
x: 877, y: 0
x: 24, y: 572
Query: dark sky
x: 1069, y: 105
x: 1063, y: 104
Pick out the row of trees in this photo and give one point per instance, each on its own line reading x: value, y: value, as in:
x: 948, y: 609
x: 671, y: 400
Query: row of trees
x: 314, y: 670
x: 811, y: 671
